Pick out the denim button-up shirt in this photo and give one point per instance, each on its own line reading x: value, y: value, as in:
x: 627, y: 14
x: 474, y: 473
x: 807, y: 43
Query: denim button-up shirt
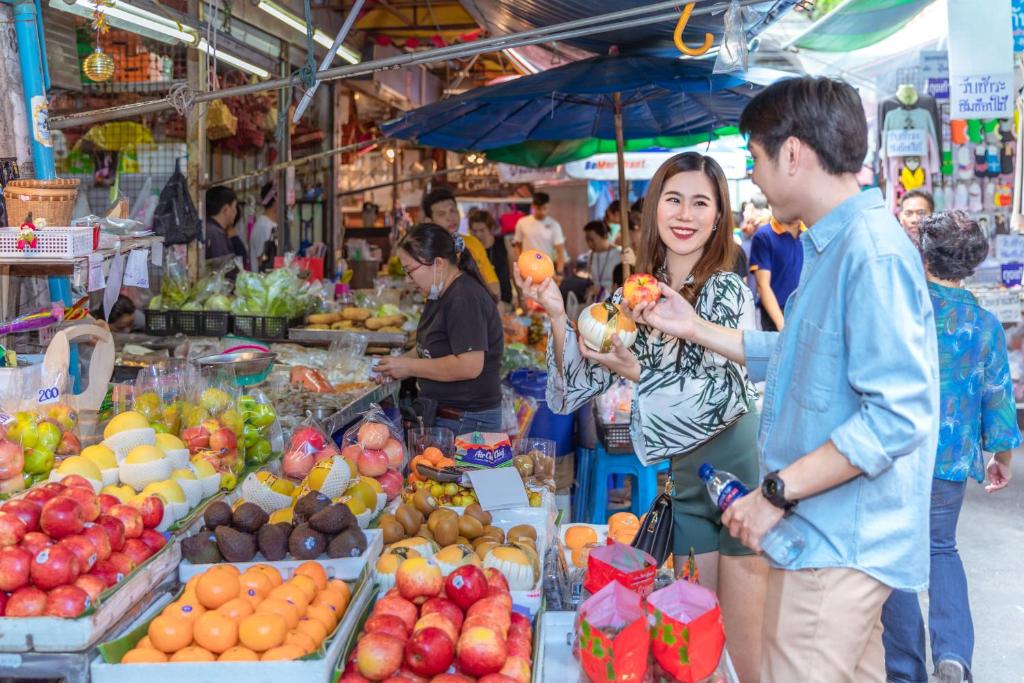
x: 857, y: 364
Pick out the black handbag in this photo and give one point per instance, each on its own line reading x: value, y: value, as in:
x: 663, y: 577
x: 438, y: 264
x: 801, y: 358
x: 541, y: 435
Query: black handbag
x: 655, y: 534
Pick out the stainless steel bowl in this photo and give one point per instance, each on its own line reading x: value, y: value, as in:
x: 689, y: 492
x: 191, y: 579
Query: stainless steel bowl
x: 244, y: 362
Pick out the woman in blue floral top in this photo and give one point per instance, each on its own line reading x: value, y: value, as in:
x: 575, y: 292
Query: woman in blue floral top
x: 978, y: 414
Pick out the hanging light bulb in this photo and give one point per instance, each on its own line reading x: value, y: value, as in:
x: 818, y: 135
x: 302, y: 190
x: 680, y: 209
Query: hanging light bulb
x: 389, y: 154
x: 99, y: 66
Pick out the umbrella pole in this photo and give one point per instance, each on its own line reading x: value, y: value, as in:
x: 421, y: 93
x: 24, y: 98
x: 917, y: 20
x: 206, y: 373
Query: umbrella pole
x: 623, y: 188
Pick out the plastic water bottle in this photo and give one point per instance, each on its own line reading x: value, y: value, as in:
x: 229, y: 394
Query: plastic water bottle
x: 783, y: 543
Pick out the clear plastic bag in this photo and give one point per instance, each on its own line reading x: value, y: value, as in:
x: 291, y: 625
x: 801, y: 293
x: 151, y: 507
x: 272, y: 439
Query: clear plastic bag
x: 346, y: 361
x: 212, y: 424
x: 375, y: 446
x: 159, y: 395
x: 733, y: 53
x: 309, y: 445
x: 261, y: 432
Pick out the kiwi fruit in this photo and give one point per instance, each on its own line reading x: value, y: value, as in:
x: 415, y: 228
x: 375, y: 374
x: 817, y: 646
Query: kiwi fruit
x: 349, y: 543
x: 479, y: 513
x: 470, y: 527
x: 201, y: 548
x: 393, y: 531
x: 218, y: 513
x: 446, y: 532
x: 249, y: 517
x: 495, y: 532
x: 483, y: 548
x: 439, y: 514
x: 306, y: 543
x: 272, y: 540
x: 234, y: 545
x: 333, y: 519
x: 310, y: 504
x: 424, y: 502
x: 521, y: 530
x: 410, y: 518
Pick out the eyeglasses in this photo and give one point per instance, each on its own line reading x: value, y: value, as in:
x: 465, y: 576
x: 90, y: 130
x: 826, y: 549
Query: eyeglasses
x: 410, y: 271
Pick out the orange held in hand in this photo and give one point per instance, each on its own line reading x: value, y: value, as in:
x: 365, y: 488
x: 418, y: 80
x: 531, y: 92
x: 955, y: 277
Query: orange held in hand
x: 639, y: 288
x: 536, y: 266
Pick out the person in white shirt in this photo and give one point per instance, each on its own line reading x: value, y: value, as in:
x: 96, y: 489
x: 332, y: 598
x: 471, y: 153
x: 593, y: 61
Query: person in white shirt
x: 541, y: 232
x: 602, y: 257
x: 263, y: 230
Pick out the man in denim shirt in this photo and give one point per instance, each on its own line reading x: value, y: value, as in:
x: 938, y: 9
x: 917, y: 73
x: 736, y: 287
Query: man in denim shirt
x: 849, y: 427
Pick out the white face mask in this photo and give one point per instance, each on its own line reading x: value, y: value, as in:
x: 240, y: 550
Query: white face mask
x: 435, y: 286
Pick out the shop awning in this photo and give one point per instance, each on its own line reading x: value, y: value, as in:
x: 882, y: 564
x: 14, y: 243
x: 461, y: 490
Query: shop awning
x: 859, y: 23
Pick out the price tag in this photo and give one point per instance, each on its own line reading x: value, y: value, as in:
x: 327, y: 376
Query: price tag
x: 1004, y: 305
x: 48, y: 395
x: 156, y: 257
x: 96, y: 279
x: 136, y: 273
x: 5, y: 418
x: 114, y: 278
x: 905, y: 143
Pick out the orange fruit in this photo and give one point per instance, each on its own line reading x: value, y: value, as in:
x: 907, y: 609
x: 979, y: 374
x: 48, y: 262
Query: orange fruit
x: 306, y: 584
x: 143, y: 655
x: 214, y: 588
x: 190, y: 585
x: 622, y: 521
x: 282, y: 608
x: 238, y: 654
x: 325, y: 615
x: 144, y: 644
x: 193, y: 653
x: 313, y: 570
x: 579, y: 536
x: 170, y: 633
x: 314, y: 628
x: 333, y: 599
x: 282, y: 653
x: 271, y: 572
x: 216, y: 632
x: 188, y: 608
x: 237, y: 609
x: 289, y: 592
x: 254, y: 586
x: 301, y: 640
x: 261, y: 632
x: 535, y: 265
x: 229, y: 568
x: 432, y: 454
x: 340, y: 586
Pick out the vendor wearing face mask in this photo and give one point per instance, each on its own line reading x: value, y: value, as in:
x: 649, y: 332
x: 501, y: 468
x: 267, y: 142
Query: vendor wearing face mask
x: 459, y: 340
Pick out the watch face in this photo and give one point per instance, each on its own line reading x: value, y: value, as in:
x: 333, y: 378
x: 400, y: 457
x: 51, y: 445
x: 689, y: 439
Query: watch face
x: 771, y: 487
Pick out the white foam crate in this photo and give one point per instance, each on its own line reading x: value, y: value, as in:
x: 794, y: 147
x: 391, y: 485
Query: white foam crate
x: 51, y: 243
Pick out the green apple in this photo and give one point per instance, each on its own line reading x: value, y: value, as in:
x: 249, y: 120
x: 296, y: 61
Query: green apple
x: 38, y: 461
x: 49, y: 436
x: 24, y: 431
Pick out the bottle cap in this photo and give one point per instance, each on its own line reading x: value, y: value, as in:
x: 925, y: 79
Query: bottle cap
x: 706, y: 471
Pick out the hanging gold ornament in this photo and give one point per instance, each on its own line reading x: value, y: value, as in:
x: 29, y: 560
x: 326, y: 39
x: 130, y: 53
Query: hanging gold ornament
x: 99, y: 66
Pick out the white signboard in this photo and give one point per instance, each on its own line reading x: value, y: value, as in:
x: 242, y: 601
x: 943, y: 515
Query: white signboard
x: 980, y: 71
x: 643, y: 165
x: 905, y: 143
x: 1010, y: 248
x: 1004, y: 305
x: 510, y: 173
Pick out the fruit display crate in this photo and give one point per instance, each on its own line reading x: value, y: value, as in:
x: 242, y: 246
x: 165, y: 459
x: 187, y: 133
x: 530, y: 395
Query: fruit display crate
x: 308, y: 669
x: 263, y: 327
x: 55, y: 634
x: 160, y: 323
x: 345, y: 568
x: 202, y: 323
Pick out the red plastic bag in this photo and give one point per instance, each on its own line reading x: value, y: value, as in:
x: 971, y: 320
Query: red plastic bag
x: 618, y: 562
x: 612, y: 636
x: 687, y: 636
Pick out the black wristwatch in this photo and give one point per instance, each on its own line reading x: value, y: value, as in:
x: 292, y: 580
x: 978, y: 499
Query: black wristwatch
x: 774, y: 490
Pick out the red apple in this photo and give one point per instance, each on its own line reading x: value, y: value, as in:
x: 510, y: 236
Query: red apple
x: 440, y: 622
x: 640, y: 288
x: 487, y: 622
x: 15, y: 564
x: 107, y: 501
x: 12, y: 529
x: 387, y: 623
x: 35, y: 541
x: 310, y: 436
x: 136, y: 550
x: 39, y: 495
x: 498, y: 604
x: 152, y: 511
x: 520, y: 624
x: 69, y: 444
x: 378, y: 655
x: 54, y: 566
x: 62, y: 516
x: 83, y: 549
x: 54, y: 488
x: 392, y: 482
x: 445, y: 607
x: 481, y: 652
x: 409, y: 677
x: 495, y: 678
x: 115, y: 531
x: 75, y: 481
x: 223, y: 441
x: 451, y: 678
x: 130, y: 518
x: 519, y: 646
x: 516, y: 668
x: 122, y: 562
x: 466, y: 585
x: 419, y: 579
x: 400, y: 607
x: 352, y: 452
x: 496, y: 580
x: 66, y: 601
x: 100, y: 540
x: 93, y: 586
x: 196, y: 438
x: 154, y: 540
x: 372, y: 463
x: 107, y: 572
x: 353, y: 677
x: 27, y: 510
x: 3, y: 603
x: 429, y: 652
x: 395, y: 453
x: 87, y: 499
x: 27, y: 601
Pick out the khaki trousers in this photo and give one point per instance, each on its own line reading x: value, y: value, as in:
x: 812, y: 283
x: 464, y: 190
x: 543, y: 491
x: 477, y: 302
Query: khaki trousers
x: 823, y: 626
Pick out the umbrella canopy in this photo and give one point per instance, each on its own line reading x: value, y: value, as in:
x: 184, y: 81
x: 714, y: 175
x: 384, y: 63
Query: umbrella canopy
x: 567, y: 112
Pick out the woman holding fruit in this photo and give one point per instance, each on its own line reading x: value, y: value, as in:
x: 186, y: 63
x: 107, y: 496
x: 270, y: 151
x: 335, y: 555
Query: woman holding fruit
x: 689, y: 405
x: 459, y: 340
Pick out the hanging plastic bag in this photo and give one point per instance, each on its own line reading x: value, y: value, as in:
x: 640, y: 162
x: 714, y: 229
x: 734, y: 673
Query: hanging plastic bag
x: 733, y: 53
x: 212, y: 424
x: 309, y: 445
x: 375, y: 447
x: 612, y: 637
x: 176, y: 218
x: 261, y: 432
x: 687, y: 636
x: 159, y: 395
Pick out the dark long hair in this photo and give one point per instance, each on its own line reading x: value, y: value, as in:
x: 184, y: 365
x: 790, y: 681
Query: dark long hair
x: 428, y: 241
x: 719, y: 251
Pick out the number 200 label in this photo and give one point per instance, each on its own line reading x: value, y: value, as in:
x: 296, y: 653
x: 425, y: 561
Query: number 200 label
x: 48, y: 395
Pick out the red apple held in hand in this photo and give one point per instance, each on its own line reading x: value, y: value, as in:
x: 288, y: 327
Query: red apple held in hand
x: 640, y: 288
x: 137, y: 551
x: 152, y: 511
x: 517, y: 668
x: 107, y: 572
x: 496, y: 580
x: 83, y: 549
x: 62, y: 516
x: 27, y: 510
x: 76, y: 481
x: 481, y: 652
x: 15, y: 564
x: 53, y: 567
x: 419, y: 579
x: 107, y: 501
x: 154, y: 540
x: 27, y: 601
x: 440, y: 622
x: 100, y: 540
x: 35, y: 541
x: 400, y: 607
x: 66, y: 601
x: 387, y: 623
x: 12, y: 529
x: 122, y: 562
x: 378, y: 656
x: 130, y: 518
x: 445, y: 607
x: 429, y: 652
x: 92, y: 585
x: 115, y: 531
x: 395, y: 453
x: 466, y: 585
x: 372, y: 463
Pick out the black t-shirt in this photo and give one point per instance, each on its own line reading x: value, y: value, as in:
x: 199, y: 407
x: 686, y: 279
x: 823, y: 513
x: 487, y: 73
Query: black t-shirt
x: 464, y: 319
x: 498, y: 256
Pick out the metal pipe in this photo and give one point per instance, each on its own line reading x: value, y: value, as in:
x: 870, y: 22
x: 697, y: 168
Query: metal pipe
x: 307, y: 96
x: 592, y: 25
x: 296, y: 162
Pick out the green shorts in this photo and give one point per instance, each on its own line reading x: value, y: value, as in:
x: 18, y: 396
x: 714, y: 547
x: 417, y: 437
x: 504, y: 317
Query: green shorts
x: 697, y: 521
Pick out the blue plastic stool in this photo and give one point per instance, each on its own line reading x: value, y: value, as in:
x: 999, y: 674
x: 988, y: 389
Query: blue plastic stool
x: 604, y: 466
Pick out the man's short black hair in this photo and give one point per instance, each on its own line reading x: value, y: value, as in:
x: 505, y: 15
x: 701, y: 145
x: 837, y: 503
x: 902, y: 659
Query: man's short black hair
x: 921, y: 194
x: 541, y: 198
x: 824, y: 113
x: 436, y: 196
x: 952, y: 245
x: 217, y: 197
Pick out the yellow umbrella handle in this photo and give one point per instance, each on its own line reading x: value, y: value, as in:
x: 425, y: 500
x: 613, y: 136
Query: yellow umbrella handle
x: 677, y: 36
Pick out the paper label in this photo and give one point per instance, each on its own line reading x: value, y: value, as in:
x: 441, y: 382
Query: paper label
x: 905, y: 143
x: 114, y: 278
x: 980, y: 71
x: 48, y: 395
x: 1003, y: 305
x: 136, y: 273
x: 41, y: 120
x: 96, y: 279
x: 1010, y: 248
x: 156, y: 256
x: 5, y: 418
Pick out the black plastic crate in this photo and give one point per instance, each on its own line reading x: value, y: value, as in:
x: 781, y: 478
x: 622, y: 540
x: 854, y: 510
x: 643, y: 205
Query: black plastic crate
x: 189, y: 323
x: 215, y: 323
x: 262, y: 327
x: 160, y: 323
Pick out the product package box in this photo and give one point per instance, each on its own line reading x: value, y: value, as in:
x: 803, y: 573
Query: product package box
x: 483, y: 449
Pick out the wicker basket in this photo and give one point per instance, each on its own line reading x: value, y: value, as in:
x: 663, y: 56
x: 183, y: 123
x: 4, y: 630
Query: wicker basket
x: 50, y: 200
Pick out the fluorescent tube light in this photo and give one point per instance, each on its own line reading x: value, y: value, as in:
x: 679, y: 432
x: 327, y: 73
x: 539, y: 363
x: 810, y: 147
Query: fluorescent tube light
x: 149, y: 23
x: 232, y: 60
x: 319, y: 37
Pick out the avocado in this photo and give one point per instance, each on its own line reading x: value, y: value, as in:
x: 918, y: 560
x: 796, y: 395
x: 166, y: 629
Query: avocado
x: 349, y: 543
x: 273, y: 542
x: 310, y: 504
x: 333, y: 519
x: 306, y: 543
x: 249, y: 517
x: 201, y: 549
x: 218, y: 513
x: 235, y: 546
